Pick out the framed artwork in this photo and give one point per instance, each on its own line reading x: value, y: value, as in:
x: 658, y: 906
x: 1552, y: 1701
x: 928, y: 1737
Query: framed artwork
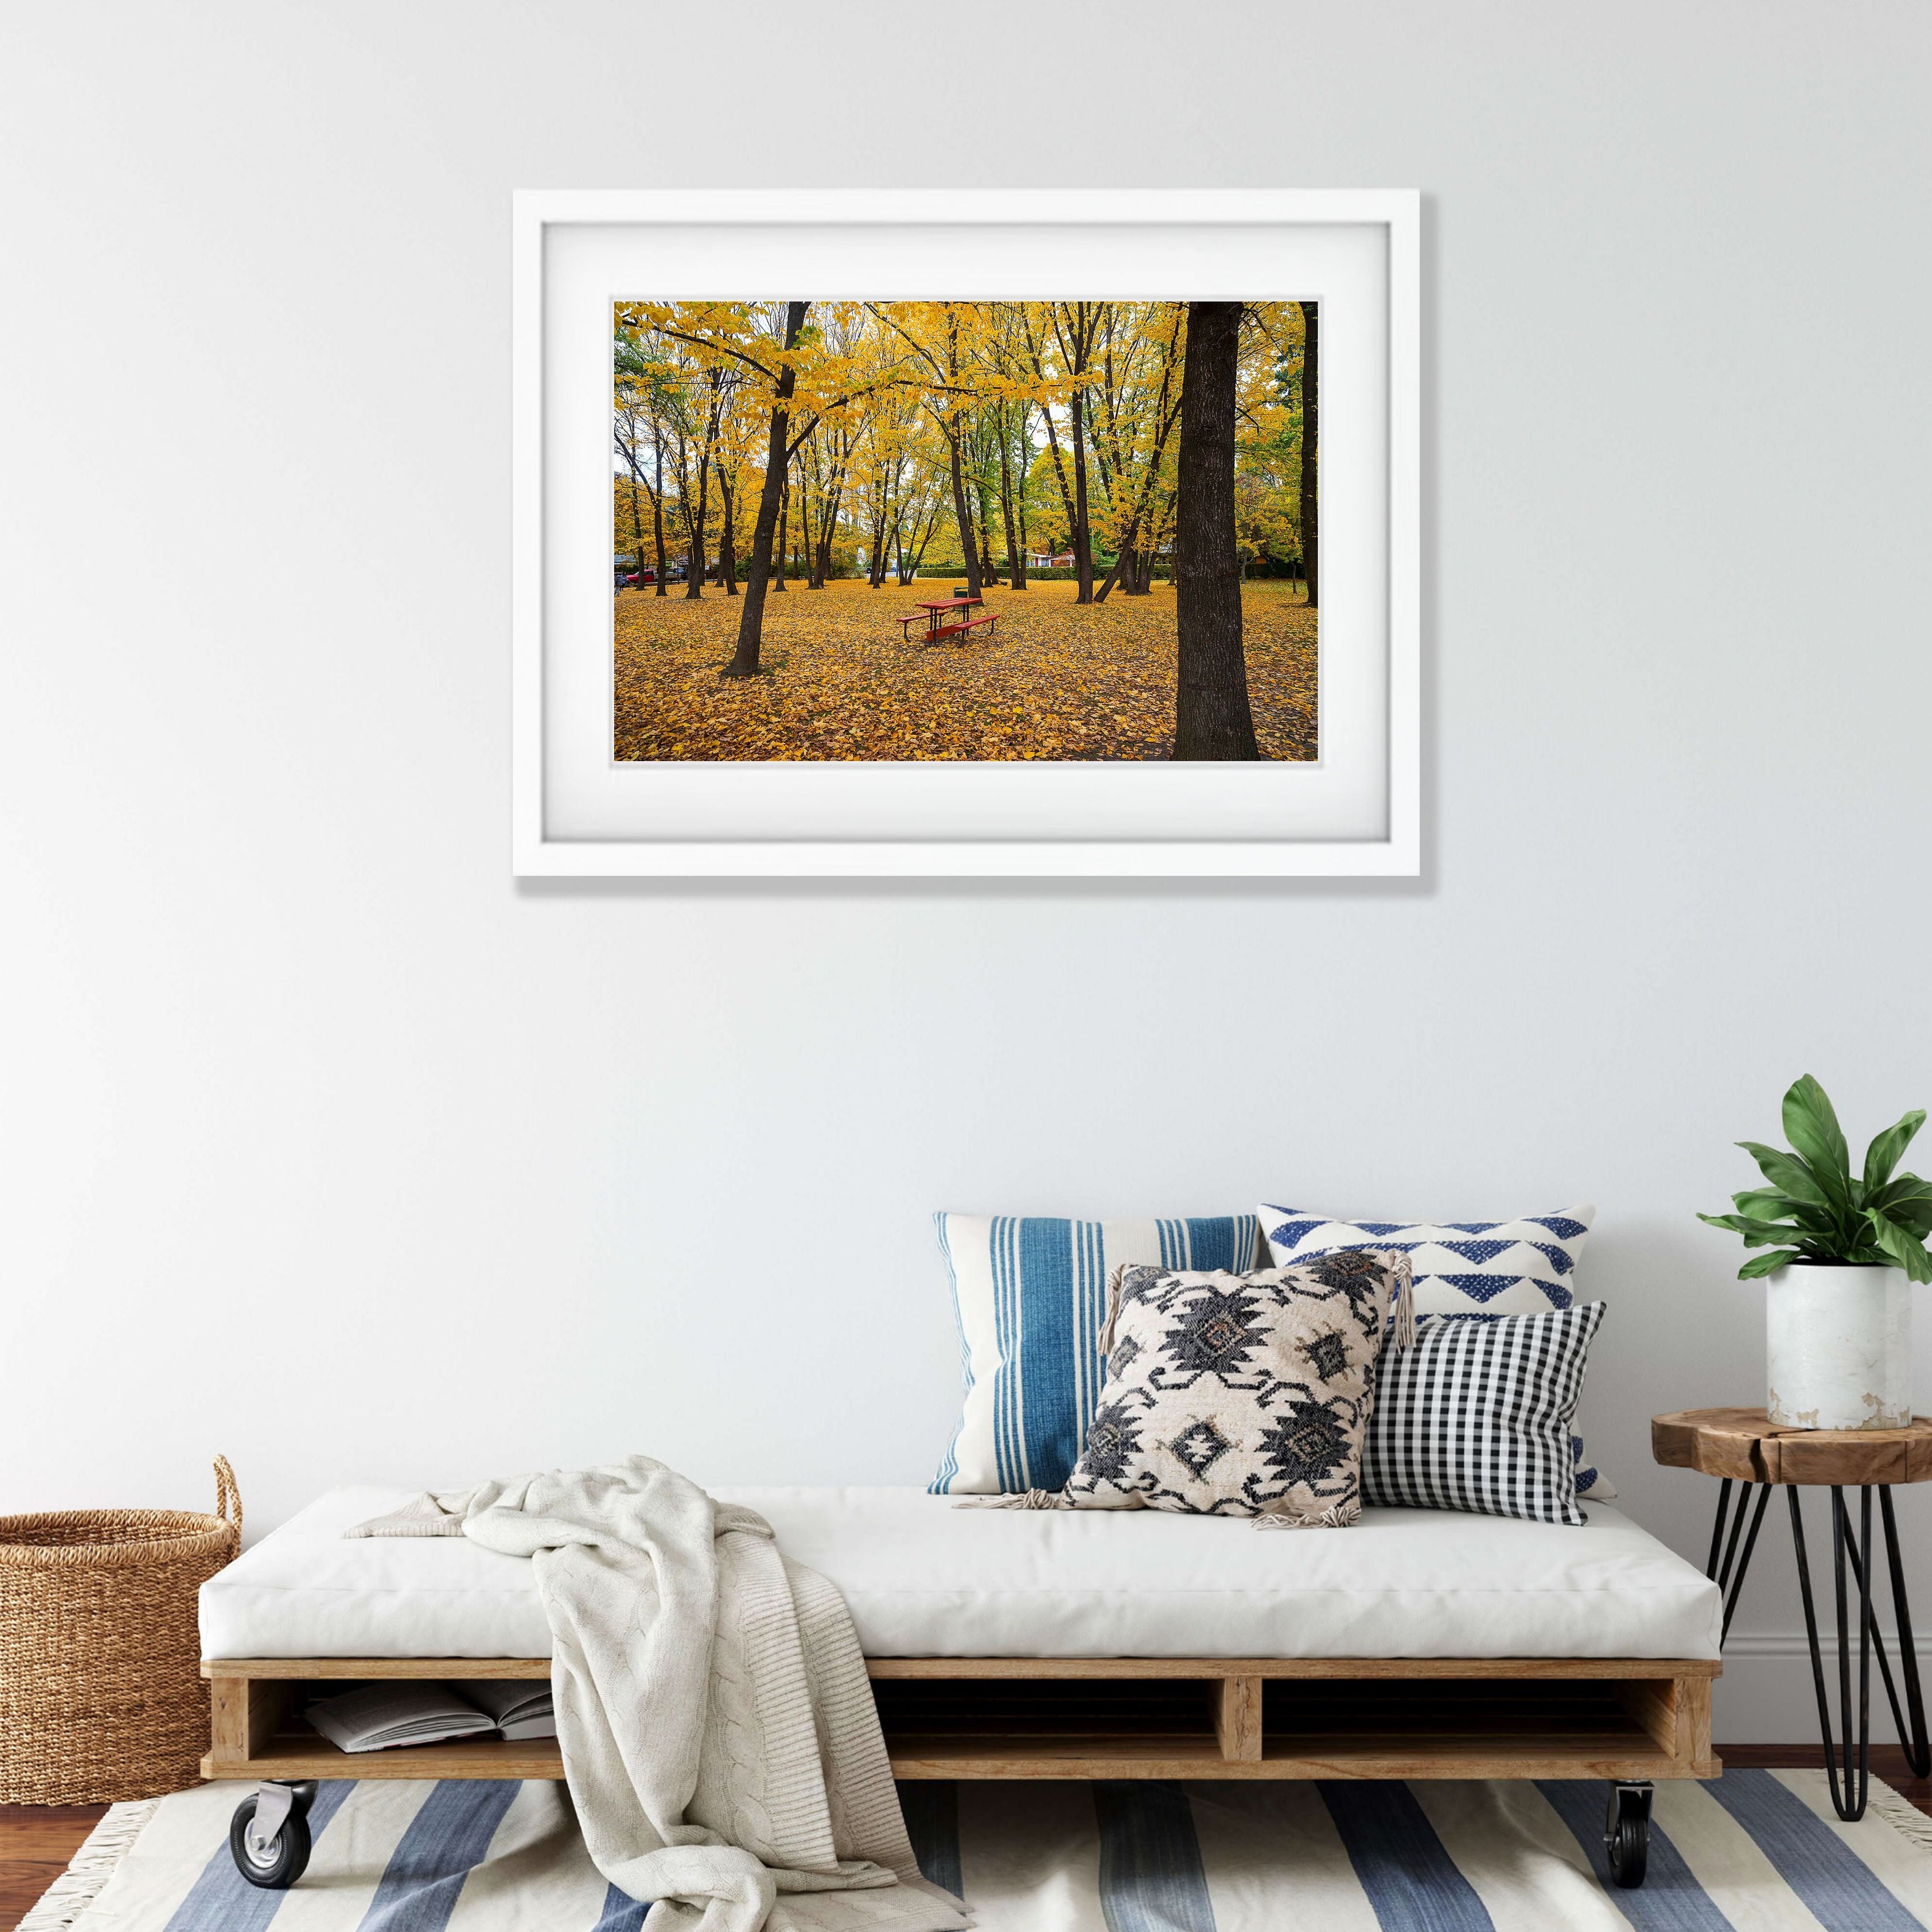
x: 951, y: 533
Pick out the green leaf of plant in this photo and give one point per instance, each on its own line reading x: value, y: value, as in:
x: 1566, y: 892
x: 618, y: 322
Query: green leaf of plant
x: 1914, y: 1217
x: 1888, y: 1148
x: 1763, y: 1264
x: 1769, y: 1204
x: 1756, y: 1233
x: 1899, y: 1247
x: 1900, y: 1191
x: 1906, y: 1200
x: 1786, y: 1173
x: 1811, y: 1126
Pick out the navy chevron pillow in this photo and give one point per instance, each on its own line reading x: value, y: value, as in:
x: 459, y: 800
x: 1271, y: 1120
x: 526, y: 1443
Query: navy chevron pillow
x: 1523, y: 1267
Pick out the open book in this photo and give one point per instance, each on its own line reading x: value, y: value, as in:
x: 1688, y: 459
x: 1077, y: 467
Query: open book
x: 521, y: 1709
x: 377, y: 1717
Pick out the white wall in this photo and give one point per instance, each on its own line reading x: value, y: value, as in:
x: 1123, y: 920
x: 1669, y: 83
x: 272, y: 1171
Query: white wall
x: 323, y: 1143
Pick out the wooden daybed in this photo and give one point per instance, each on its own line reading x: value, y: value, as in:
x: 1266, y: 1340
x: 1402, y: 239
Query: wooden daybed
x: 1013, y: 1579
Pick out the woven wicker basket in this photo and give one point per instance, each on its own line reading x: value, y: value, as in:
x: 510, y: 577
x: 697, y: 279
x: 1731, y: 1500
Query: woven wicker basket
x: 101, y: 1696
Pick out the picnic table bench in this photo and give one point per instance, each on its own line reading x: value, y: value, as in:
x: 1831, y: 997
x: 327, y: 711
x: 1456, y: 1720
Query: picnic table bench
x: 936, y: 615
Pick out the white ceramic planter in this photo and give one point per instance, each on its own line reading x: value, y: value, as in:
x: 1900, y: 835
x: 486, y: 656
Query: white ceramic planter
x: 1838, y: 1347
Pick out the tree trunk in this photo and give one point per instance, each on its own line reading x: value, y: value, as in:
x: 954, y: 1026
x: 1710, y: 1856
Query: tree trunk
x: 695, y: 570
x: 1019, y: 576
x: 750, y: 619
x: 637, y: 520
x: 1310, y: 449
x: 1015, y: 556
x: 1143, y: 529
x: 881, y: 508
x: 1083, y: 546
x: 1133, y: 570
x: 907, y: 572
x: 802, y: 562
x: 962, y: 513
x: 1060, y: 475
x: 829, y: 528
x: 727, y: 550
x: 807, y: 547
x: 684, y: 495
x: 891, y: 535
x: 657, y: 507
x: 961, y: 510
x: 807, y: 558
x: 1211, y: 717
x: 785, y: 526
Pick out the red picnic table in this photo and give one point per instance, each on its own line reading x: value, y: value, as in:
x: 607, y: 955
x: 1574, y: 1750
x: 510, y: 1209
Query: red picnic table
x: 937, y: 627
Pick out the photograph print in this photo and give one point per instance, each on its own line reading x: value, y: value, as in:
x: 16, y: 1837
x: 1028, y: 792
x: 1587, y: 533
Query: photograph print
x: 897, y: 532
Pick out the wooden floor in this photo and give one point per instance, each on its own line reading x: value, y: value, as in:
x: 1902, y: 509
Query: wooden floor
x: 37, y: 1841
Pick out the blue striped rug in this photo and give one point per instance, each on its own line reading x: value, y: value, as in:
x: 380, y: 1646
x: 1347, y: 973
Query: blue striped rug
x: 1757, y: 1851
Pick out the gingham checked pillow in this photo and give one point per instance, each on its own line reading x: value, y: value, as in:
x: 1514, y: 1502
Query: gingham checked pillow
x: 1475, y: 1415
x: 1485, y: 1269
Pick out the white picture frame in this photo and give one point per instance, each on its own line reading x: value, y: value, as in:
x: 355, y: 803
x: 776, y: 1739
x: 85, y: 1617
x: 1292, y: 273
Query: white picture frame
x: 1356, y: 812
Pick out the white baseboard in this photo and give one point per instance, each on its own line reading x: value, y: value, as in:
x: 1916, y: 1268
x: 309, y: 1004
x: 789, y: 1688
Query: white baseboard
x: 1766, y: 1696
x: 1738, y: 1649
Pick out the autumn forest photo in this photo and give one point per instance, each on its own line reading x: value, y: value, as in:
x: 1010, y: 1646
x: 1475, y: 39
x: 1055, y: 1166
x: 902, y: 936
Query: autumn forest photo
x: 980, y: 530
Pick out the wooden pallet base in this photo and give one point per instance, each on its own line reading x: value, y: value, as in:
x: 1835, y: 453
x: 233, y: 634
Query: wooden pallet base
x: 1113, y: 1717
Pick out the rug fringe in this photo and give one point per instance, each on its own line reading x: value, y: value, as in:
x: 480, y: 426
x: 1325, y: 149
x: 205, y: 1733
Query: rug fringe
x: 91, y: 1867
x: 1900, y: 1813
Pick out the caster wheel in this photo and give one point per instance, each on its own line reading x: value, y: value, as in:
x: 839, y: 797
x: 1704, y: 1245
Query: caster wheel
x: 1627, y: 1834
x: 287, y: 1855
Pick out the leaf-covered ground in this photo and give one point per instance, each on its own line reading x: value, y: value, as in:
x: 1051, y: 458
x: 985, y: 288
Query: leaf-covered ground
x: 1054, y: 679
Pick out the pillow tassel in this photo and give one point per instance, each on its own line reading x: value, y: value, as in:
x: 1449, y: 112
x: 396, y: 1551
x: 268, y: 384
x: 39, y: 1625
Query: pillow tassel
x: 1026, y: 1499
x: 1106, y: 1342
x: 1336, y: 1516
x: 1405, y: 1311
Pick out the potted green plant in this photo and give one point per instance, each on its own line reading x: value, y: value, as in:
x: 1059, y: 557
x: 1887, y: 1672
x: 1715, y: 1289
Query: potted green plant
x: 1842, y: 1250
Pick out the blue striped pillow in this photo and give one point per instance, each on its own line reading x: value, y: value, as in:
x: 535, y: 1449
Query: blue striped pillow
x: 1030, y: 1295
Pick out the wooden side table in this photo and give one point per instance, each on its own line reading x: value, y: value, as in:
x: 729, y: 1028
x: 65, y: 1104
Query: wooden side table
x: 1742, y: 1445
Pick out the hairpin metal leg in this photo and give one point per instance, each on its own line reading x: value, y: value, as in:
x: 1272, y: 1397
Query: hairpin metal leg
x: 1717, y: 1528
x: 1729, y: 1575
x: 1736, y: 1582
x: 1909, y: 1718
x: 1848, y: 1797
x: 1918, y: 1749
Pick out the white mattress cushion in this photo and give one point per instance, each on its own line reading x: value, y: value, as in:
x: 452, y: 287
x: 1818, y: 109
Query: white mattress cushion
x: 924, y: 1578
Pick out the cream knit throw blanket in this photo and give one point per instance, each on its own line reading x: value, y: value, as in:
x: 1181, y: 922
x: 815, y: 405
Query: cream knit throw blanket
x: 717, y: 1724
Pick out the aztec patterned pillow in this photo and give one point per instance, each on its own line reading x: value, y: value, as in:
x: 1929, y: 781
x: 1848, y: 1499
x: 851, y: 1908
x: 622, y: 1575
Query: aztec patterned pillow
x: 1241, y: 1395
x: 1030, y: 1295
x: 1475, y: 1415
x: 1524, y: 1267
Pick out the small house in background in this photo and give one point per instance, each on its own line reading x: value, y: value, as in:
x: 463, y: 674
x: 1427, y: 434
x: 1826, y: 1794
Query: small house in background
x: 1040, y: 560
